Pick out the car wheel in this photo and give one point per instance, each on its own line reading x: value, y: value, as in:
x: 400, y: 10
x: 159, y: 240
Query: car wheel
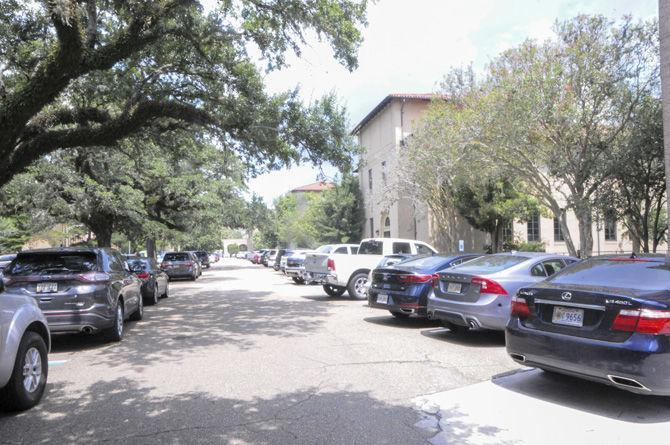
x: 194, y: 277
x: 334, y: 291
x: 139, y: 313
x: 356, y: 287
x: 115, y: 333
x: 398, y: 314
x: 298, y: 280
x: 154, y: 295
x: 167, y: 289
x: 29, y: 376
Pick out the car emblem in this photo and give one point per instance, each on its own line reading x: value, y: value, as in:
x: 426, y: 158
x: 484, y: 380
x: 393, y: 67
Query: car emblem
x: 566, y: 296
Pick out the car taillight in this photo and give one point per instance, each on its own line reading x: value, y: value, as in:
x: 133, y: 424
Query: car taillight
x: 93, y: 277
x: 642, y: 321
x: 520, y: 307
x: 412, y: 279
x: 488, y: 286
x: 331, y: 264
x: 142, y: 275
x: 436, y: 279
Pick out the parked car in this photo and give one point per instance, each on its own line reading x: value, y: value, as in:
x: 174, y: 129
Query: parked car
x: 181, y: 265
x: 316, y: 263
x: 387, y: 261
x: 351, y: 272
x: 478, y: 294
x: 402, y: 288
x: 5, y: 259
x: 155, y: 282
x: 203, y: 258
x: 258, y: 255
x: 278, y: 258
x: 295, y: 266
x: 606, y: 319
x: 24, y: 362
x: 268, y: 258
x: 85, y: 290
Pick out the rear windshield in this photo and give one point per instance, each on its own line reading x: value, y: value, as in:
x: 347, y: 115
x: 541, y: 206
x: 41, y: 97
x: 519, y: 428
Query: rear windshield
x: 490, y: 264
x: 176, y: 257
x: 643, y: 275
x: 391, y: 260
x: 325, y: 249
x: 139, y: 265
x: 425, y: 262
x: 371, y: 248
x: 202, y: 254
x: 53, y: 263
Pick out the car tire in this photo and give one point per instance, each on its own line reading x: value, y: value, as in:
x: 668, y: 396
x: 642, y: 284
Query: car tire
x: 32, y: 353
x: 334, y: 291
x: 400, y: 315
x: 298, y: 280
x: 138, y: 315
x: 115, y: 333
x: 154, y: 296
x: 194, y: 277
x: 356, y: 285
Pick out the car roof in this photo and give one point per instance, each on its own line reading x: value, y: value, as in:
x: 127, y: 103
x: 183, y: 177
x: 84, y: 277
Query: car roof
x: 65, y: 250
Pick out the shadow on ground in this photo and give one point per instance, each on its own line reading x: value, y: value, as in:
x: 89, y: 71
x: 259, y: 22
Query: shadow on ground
x: 483, y: 339
x: 402, y: 323
x: 119, y: 411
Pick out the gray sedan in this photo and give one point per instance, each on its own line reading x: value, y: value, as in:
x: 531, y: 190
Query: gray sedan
x: 478, y: 294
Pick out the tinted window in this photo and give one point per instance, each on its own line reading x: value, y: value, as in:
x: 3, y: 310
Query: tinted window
x: 391, y: 260
x: 553, y: 266
x: 427, y: 262
x: 401, y: 248
x: 491, y: 263
x: 202, y: 255
x: 538, y: 271
x: 139, y: 265
x: 422, y: 249
x: 341, y: 250
x: 354, y: 250
x: 53, y: 263
x: 643, y: 275
x: 176, y: 256
x: 371, y: 248
x: 116, y: 262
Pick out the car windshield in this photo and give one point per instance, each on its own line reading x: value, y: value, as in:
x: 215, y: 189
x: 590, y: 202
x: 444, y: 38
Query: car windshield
x: 325, y: 249
x: 426, y: 262
x: 138, y: 265
x: 617, y: 273
x: 371, y: 247
x: 490, y: 264
x: 179, y: 256
x: 53, y: 263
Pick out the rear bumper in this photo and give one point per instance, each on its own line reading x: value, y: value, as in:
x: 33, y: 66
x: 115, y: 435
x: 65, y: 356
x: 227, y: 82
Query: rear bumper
x: 644, y: 359
x: 489, y: 312
x: 179, y: 273
x: 296, y: 272
x: 95, y: 319
x: 408, y: 304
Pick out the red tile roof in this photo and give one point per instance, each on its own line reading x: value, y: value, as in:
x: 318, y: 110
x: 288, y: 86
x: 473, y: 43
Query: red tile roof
x: 315, y: 187
x: 388, y: 99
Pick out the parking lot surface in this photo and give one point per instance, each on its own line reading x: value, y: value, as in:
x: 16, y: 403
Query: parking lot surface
x: 245, y: 356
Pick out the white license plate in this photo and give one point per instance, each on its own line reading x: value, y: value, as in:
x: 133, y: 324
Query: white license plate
x: 454, y: 288
x: 568, y: 316
x: 47, y: 287
x: 382, y: 298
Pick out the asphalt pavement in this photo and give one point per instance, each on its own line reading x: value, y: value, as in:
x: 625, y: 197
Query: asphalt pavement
x: 244, y: 356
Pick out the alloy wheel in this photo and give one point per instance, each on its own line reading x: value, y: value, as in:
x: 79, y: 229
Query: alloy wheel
x: 32, y: 370
x: 119, y: 319
x: 359, y: 286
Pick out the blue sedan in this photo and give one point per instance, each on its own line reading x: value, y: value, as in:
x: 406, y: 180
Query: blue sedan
x: 606, y: 319
x: 403, y: 288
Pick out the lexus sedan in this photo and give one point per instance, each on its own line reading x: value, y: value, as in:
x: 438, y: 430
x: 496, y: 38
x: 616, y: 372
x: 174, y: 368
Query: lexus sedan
x: 478, y: 294
x: 403, y: 288
x: 606, y: 319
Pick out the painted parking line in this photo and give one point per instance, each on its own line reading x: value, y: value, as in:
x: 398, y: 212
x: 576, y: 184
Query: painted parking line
x: 53, y: 363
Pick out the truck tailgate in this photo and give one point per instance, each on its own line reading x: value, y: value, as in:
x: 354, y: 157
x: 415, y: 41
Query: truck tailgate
x: 316, y: 263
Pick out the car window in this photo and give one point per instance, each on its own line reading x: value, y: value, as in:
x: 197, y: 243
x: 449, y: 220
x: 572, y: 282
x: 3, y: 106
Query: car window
x: 325, y: 249
x: 139, y: 265
x: 422, y: 249
x: 371, y: 247
x: 176, y: 256
x: 617, y: 273
x: 538, y: 270
x: 491, y: 263
x: 401, y: 248
x: 354, y: 250
x: 53, y: 263
x: 341, y: 250
x: 553, y: 266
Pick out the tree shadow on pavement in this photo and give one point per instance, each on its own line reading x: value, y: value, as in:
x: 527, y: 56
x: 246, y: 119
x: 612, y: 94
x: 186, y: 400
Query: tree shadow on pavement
x: 119, y: 411
x: 402, y: 323
x: 583, y: 395
x: 481, y: 339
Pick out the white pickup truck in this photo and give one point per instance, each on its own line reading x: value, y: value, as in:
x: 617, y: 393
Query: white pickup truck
x: 340, y: 272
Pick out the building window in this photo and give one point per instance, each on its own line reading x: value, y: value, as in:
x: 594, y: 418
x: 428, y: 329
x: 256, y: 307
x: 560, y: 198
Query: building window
x: 384, y: 172
x: 533, y: 229
x: 558, y: 232
x: 370, y: 179
x: 372, y: 227
x: 610, y: 226
x: 387, y: 227
x: 508, y: 232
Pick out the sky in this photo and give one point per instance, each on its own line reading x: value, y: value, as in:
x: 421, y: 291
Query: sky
x: 409, y: 46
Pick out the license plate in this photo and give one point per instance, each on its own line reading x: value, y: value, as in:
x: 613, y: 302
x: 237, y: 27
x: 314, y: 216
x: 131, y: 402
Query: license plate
x: 382, y: 298
x: 568, y: 316
x: 47, y: 287
x: 454, y: 288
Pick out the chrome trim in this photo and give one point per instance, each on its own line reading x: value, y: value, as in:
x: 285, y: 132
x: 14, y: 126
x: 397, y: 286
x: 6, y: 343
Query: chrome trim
x: 632, y: 383
x: 565, y: 303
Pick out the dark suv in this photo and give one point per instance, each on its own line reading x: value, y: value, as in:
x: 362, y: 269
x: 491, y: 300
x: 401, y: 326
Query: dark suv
x: 78, y: 289
x: 203, y: 257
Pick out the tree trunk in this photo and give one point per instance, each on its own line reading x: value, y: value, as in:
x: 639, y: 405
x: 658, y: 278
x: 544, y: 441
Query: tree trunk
x: 563, y: 222
x: 103, y: 236
x: 585, y: 220
x: 151, y: 248
x: 664, y: 30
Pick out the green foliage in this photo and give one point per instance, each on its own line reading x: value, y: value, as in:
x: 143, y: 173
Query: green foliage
x: 531, y: 246
x: 14, y: 233
x: 338, y: 214
x: 233, y: 249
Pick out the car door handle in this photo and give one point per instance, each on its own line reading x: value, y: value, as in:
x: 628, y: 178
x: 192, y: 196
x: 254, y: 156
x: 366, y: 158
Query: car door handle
x: 46, y: 299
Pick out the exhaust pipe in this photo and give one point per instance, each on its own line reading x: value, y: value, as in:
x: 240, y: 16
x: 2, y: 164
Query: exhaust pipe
x: 518, y: 357
x: 628, y: 383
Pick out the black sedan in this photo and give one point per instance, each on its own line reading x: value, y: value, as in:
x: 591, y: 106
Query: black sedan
x: 403, y: 288
x: 606, y: 319
x: 155, y: 282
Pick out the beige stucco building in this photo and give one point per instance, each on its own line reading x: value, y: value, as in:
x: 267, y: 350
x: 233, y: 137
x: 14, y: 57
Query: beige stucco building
x: 382, y: 135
